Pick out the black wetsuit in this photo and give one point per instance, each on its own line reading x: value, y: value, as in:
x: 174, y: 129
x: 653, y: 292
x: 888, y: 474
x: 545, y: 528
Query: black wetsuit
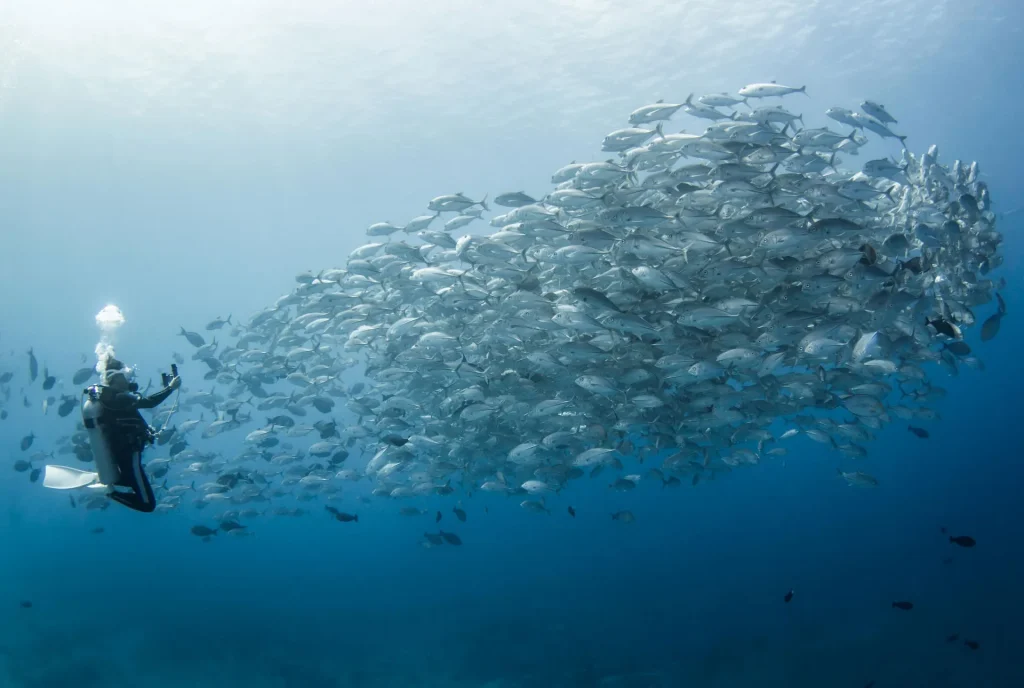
x: 127, y: 433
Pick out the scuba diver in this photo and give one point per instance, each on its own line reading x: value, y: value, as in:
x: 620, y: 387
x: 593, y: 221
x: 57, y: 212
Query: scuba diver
x: 118, y: 433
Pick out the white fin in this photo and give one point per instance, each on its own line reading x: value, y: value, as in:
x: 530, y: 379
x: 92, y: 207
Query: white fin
x: 65, y: 478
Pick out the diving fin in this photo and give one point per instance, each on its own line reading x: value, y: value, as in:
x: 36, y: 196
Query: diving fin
x: 65, y: 478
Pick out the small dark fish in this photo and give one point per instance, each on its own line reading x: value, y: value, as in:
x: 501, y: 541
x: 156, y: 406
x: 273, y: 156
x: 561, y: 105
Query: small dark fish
x: 437, y: 519
x: 450, y: 538
x: 915, y: 265
x: 203, y: 531
x: 395, y: 440
x: 973, y: 644
x: 959, y: 348
x: 788, y: 597
x: 990, y: 328
x: 1002, y: 304
x: 33, y: 366
x: 6, y: 377
x: 323, y: 404
x: 194, y: 338
x: 341, y: 515
x: 460, y: 514
x: 34, y: 475
x: 25, y: 604
x: 920, y: 432
x: 3, y: 414
x: 166, y: 435
x: 21, y: 465
x: 434, y: 539
x: 695, y: 479
x: 905, y: 606
x: 870, y: 684
x: 27, y: 441
x: 67, y: 405
x: 82, y: 375
x: 97, y: 530
x: 48, y: 380
x: 870, y: 256
x: 572, y: 512
x: 953, y: 638
x: 962, y: 540
x: 71, y: 498
x: 943, y: 326
x: 229, y: 525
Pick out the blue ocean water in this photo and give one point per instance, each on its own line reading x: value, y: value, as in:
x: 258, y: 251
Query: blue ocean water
x: 186, y: 162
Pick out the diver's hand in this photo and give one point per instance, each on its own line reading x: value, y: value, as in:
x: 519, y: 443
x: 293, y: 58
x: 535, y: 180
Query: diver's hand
x: 175, y: 382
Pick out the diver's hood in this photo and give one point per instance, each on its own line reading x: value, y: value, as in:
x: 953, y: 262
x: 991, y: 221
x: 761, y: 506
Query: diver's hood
x: 117, y: 374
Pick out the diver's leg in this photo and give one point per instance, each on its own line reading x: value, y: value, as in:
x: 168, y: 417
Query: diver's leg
x: 133, y: 476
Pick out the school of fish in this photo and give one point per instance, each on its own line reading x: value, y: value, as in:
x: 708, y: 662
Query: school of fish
x: 668, y: 315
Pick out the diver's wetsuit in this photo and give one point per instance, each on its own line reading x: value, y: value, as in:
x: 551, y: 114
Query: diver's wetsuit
x: 128, y: 434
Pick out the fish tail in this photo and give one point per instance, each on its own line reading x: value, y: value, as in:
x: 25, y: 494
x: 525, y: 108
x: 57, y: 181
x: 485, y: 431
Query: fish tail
x: 483, y: 203
x: 803, y: 89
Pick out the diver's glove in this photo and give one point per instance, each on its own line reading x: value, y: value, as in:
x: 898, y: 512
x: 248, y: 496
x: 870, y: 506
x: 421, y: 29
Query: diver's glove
x: 175, y: 382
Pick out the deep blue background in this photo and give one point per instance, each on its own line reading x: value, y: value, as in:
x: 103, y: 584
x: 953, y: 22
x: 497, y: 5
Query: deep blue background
x: 184, y: 163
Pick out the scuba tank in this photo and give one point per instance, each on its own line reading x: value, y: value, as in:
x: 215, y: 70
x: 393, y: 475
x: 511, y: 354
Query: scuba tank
x: 92, y: 419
